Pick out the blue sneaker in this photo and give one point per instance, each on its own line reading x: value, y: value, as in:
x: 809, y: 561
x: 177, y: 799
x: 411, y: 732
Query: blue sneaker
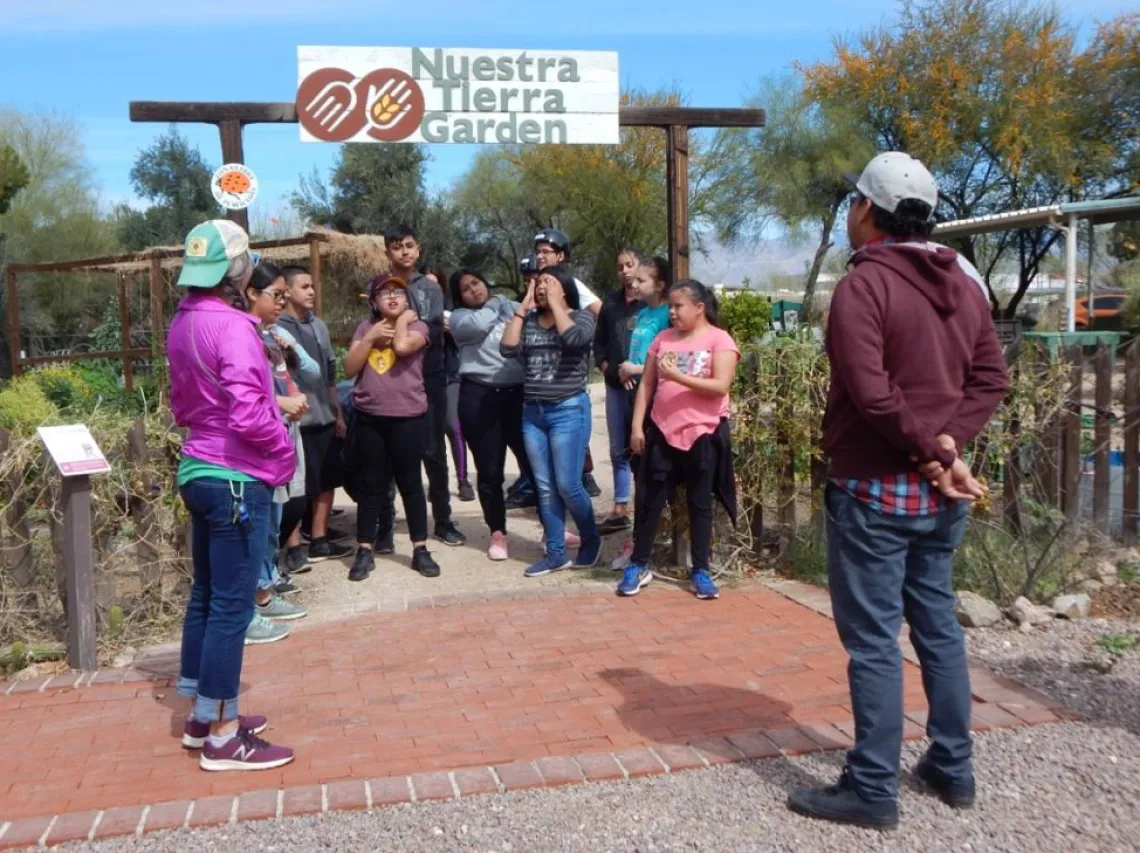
x: 703, y: 585
x: 589, y: 554
x: 547, y: 565
x: 635, y: 578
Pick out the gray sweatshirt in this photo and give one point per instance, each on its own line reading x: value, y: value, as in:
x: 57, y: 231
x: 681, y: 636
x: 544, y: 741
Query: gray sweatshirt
x: 478, y: 333
x: 313, y: 335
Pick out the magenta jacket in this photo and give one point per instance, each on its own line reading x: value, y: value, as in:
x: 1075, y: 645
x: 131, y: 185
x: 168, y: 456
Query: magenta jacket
x: 222, y: 391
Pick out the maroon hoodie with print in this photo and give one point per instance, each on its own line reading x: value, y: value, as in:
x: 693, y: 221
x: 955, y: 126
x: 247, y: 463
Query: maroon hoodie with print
x: 914, y: 354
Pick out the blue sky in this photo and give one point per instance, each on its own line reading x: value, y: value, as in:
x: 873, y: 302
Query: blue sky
x: 89, y: 58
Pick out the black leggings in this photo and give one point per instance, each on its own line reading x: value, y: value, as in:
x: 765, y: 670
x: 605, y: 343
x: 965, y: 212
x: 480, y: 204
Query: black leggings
x: 694, y: 469
x: 492, y: 421
x: 385, y: 449
x: 291, y: 515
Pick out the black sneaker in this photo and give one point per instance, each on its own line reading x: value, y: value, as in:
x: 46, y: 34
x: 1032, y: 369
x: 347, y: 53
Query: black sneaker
x: 614, y: 524
x: 331, y: 534
x: 296, y: 561
x: 423, y: 563
x: 447, y: 533
x: 362, y: 565
x: 957, y: 795
x: 840, y: 803
x: 522, y: 499
x: 592, y: 487
x: 466, y: 491
x: 336, y: 512
x: 385, y: 544
x: 285, y: 586
x: 322, y: 549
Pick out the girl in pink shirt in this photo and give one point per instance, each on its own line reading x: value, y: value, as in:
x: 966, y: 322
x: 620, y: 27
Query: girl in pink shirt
x: 685, y: 440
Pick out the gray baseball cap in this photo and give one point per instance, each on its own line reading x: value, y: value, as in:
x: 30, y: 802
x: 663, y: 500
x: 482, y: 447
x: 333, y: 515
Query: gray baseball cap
x: 893, y: 177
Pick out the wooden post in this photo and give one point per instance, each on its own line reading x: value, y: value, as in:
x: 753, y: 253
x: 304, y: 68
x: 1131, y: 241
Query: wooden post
x: 1131, y: 503
x: 80, y: 570
x: 234, y: 152
x: 1011, y: 481
x: 1071, y: 438
x: 13, y: 294
x: 677, y: 191
x: 157, y: 314
x: 125, y: 333
x: 315, y: 272
x: 1102, y: 443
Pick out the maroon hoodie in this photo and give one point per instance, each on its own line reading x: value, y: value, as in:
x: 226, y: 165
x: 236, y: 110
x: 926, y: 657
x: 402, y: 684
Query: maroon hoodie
x: 913, y: 354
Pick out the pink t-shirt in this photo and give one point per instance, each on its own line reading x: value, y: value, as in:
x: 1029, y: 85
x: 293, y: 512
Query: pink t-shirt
x: 390, y: 386
x: 682, y: 414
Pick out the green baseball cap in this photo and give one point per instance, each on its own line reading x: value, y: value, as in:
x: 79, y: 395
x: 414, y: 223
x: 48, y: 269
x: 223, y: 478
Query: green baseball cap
x: 210, y: 248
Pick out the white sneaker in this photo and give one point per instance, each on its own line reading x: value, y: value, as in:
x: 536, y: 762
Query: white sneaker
x: 621, y: 561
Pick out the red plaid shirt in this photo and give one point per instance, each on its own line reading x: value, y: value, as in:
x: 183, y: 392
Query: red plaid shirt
x: 901, y: 494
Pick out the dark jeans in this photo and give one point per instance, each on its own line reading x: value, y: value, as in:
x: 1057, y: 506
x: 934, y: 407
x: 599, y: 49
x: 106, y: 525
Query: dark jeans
x: 387, y: 449
x: 492, y: 421
x: 695, y: 470
x: 880, y: 569
x: 455, y: 432
x: 435, y: 451
x: 228, y: 558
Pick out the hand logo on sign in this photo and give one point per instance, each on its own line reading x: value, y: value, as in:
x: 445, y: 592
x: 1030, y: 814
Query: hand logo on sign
x: 335, y: 106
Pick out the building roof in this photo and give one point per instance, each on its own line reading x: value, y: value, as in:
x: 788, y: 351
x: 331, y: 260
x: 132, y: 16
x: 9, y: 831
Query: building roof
x: 1097, y: 212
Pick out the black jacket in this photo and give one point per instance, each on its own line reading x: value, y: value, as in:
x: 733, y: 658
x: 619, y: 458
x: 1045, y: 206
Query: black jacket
x: 611, y: 339
x: 426, y: 298
x: 662, y: 461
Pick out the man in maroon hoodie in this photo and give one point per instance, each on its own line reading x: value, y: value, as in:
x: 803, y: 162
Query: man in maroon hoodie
x: 916, y: 372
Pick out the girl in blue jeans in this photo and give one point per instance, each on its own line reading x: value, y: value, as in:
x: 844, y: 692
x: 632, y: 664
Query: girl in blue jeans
x: 236, y: 451
x: 554, y: 339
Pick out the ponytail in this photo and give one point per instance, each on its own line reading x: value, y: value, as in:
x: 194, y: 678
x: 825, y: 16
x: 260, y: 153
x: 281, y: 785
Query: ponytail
x: 702, y: 293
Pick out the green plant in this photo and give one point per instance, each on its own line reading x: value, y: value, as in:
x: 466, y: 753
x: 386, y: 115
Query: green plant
x: 1119, y: 644
x: 1128, y: 573
x: 807, y: 557
x: 746, y: 315
x: 24, y: 406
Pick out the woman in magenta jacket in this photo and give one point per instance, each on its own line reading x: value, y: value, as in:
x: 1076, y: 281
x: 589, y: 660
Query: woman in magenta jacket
x: 237, y: 449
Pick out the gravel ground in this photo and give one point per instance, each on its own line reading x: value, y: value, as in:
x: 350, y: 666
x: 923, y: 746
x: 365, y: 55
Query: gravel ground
x: 1063, y: 787
x: 1064, y: 661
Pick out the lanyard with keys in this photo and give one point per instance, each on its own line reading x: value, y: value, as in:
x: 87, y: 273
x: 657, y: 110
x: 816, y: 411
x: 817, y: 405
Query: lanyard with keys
x: 241, y: 511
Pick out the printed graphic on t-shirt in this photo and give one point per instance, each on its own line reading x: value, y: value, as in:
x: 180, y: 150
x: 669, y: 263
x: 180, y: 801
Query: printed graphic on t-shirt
x: 381, y: 360
x: 696, y: 363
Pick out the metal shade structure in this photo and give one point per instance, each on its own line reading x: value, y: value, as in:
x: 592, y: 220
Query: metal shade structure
x: 1061, y: 216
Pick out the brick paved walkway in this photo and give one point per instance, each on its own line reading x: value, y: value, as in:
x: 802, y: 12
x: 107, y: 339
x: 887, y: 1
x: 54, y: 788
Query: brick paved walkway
x: 506, y: 693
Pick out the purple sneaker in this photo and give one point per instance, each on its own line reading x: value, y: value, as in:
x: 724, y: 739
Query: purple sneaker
x: 195, y: 734
x: 244, y: 751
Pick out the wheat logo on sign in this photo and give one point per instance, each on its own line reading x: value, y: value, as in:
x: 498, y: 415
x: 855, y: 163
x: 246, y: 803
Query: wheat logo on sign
x: 234, y: 186
x: 335, y: 106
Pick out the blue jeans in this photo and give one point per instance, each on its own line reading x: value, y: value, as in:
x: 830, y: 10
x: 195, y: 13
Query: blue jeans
x: 617, y: 423
x: 228, y: 558
x: 880, y: 569
x: 556, y: 435
x: 269, y: 574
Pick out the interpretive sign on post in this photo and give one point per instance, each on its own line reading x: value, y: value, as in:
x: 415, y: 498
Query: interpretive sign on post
x: 413, y: 94
x: 77, y: 456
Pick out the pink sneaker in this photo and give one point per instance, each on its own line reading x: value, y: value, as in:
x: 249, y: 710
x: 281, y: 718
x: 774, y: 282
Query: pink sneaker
x: 244, y: 751
x: 572, y: 540
x: 195, y: 734
x: 621, y: 561
x: 498, y: 549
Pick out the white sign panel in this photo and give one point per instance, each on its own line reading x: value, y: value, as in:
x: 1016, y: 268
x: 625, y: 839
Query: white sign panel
x: 234, y: 186
x: 74, y: 450
x: 414, y: 94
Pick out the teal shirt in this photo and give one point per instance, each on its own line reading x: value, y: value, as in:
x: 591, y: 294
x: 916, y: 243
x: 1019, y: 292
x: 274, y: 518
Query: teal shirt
x: 650, y: 323
x: 195, y: 469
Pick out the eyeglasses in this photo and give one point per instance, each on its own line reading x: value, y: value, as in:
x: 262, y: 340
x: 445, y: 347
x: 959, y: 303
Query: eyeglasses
x: 276, y: 296
x: 388, y: 293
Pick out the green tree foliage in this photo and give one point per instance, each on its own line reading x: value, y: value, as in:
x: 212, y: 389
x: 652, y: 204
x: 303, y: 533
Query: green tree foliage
x: 1004, y: 104
x: 13, y: 176
x: 174, y: 177
x: 789, y: 172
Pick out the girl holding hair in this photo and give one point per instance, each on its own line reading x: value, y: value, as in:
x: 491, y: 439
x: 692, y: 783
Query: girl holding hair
x: 685, y: 440
x: 265, y: 296
x: 236, y: 451
x: 390, y: 424
x: 553, y: 338
x: 651, y: 286
x: 490, y: 394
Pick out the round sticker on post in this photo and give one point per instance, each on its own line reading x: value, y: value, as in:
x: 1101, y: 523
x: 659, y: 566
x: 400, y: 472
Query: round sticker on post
x: 234, y: 186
